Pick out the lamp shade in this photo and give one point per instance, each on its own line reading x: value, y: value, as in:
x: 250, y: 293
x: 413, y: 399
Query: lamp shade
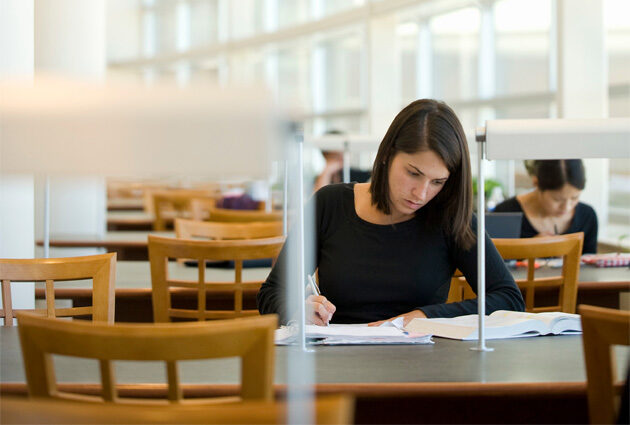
x: 68, y: 127
x: 558, y: 138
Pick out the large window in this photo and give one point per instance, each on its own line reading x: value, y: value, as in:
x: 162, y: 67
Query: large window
x: 350, y: 65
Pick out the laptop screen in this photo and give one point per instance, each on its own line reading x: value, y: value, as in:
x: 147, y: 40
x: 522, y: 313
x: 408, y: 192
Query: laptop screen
x: 504, y: 225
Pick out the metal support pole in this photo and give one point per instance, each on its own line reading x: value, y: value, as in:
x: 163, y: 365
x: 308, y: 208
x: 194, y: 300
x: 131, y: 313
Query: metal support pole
x: 301, y: 269
x: 47, y: 217
x: 285, y: 200
x: 346, y: 161
x: 481, y: 241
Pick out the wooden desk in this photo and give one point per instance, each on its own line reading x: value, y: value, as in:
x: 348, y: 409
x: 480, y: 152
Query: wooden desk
x: 133, y: 288
x: 596, y: 286
x: 129, y: 220
x: 525, y: 380
x: 125, y: 204
x: 129, y: 245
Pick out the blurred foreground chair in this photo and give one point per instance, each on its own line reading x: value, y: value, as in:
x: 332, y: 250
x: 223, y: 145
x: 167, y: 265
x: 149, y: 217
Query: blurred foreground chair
x: 101, y: 269
x: 329, y: 410
x: 251, y: 339
x: 188, y: 229
x: 162, y: 249
x: 569, y: 247
x: 602, y: 328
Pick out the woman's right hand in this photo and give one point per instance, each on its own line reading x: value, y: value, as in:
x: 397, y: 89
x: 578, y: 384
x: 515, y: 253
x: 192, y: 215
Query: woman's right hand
x: 319, y: 310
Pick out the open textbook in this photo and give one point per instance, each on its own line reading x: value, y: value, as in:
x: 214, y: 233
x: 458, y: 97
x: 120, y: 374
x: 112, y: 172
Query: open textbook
x: 390, y: 332
x: 500, y: 324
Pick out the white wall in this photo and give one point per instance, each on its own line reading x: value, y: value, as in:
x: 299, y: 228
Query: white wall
x: 16, y: 192
x: 70, y: 42
x: 583, y: 85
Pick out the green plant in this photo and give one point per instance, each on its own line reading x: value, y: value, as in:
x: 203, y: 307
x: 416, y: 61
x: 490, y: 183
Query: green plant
x: 620, y: 240
x: 489, y: 185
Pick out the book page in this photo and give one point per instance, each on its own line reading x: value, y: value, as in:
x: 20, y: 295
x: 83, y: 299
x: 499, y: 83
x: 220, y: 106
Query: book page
x: 500, y: 324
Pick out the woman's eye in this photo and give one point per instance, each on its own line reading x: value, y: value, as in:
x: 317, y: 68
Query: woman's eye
x: 413, y: 173
x: 438, y: 183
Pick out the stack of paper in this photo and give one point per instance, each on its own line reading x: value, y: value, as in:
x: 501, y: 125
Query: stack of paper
x: 335, y: 334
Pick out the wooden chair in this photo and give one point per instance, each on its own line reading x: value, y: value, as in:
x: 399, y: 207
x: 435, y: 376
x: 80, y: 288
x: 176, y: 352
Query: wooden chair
x: 569, y: 247
x: 602, y: 328
x: 460, y: 289
x: 330, y: 409
x: 100, y: 268
x: 162, y: 249
x: 168, y: 204
x: 188, y: 229
x: 226, y: 215
x: 251, y: 339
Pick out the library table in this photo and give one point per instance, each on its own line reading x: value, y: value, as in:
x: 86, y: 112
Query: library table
x: 125, y: 204
x: 597, y: 286
x: 129, y: 220
x: 128, y: 244
x: 525, y: 380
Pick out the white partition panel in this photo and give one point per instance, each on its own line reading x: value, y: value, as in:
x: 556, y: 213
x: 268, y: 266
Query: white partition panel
x: 71, y: 128
x: 558, y: 139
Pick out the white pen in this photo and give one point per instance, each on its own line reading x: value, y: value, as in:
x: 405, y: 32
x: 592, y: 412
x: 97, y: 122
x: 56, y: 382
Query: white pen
x: 315, y: 288
x: 313, y: 284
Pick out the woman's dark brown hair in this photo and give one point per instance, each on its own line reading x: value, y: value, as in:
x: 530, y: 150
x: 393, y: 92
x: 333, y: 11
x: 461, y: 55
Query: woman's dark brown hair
x: 553, y: 174
x: 430, y: 125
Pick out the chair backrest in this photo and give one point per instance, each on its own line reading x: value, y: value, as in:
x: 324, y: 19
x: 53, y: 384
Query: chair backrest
x: 569, y: 247
x: 188, y: 229
x: 601, y: 329
x: 251, y: 339
x: 162, y: 249
x: 100, y: 268
x: 460, y: 290
x: 330, y: 409
x: 200, y: 208
x: 169, y: 204
x: 227, y: 215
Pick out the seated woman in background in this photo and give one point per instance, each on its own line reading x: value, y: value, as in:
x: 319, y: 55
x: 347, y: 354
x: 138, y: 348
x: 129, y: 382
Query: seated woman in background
x: 553, y: 207
x: 388, y: 248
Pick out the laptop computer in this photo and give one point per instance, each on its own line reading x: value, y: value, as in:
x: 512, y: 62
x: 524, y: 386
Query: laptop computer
x: 504, y: 224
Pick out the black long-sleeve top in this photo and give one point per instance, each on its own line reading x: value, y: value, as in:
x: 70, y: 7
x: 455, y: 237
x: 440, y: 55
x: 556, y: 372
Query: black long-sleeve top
x: 584, y: 220
x: 373, y: 272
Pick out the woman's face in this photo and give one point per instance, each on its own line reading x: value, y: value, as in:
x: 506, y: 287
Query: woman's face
x: 560, y: 202
x: 414, y: 179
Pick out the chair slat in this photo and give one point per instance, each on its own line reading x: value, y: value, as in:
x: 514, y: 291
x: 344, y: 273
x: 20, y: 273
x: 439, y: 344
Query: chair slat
x: 108, y: 381
x: 7, y: 304
x: 50, y: 297
x: 174, y: 389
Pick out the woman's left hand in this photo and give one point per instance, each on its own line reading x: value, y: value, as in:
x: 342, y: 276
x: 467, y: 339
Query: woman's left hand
x: 407, y: 317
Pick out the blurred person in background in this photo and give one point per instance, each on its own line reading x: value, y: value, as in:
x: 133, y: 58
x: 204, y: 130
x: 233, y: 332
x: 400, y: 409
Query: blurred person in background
x: 333, y: 170
x: 553, y: 207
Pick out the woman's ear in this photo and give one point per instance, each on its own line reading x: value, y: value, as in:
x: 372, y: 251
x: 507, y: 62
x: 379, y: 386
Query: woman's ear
x: 535, y: 181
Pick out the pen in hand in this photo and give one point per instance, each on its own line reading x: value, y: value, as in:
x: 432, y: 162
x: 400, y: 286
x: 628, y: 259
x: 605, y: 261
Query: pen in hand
x: 315, y: 289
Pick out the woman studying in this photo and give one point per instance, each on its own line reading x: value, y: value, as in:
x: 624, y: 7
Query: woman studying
x: 553, y: 207
x: 388, y: 248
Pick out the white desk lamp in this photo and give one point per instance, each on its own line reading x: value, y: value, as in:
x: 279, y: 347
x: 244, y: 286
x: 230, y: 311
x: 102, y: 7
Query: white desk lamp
x: 540, y: 139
